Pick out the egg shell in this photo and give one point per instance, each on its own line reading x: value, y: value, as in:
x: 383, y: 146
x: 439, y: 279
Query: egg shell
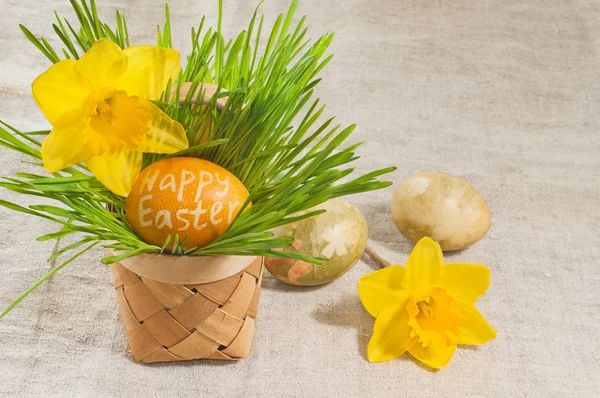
x: 188, y: 197
x: 340, y: 234
x: 444, y: 207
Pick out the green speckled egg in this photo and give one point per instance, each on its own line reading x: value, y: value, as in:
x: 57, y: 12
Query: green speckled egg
x: 339, y: 234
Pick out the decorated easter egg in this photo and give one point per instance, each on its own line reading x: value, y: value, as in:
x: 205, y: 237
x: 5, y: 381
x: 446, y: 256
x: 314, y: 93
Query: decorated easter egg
x: 339, y: 234
x: 444, y: 207
x: 184, y: 196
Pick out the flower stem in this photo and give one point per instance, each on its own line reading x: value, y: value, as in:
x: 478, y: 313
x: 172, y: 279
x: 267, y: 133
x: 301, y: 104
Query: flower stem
x: 377, y: 258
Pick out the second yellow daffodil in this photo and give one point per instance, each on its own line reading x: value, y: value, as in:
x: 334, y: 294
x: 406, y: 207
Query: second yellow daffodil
x: 101, y: 115
x: 426, y: 308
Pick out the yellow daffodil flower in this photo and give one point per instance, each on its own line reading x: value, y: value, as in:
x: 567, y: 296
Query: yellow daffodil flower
x: 101, y: 115
x: 426, y: 308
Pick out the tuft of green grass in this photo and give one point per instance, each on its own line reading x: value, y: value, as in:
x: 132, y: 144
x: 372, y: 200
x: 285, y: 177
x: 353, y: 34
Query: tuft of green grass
x: 287, y: 168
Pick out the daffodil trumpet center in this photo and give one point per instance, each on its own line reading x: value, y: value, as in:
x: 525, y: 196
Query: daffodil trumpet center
x: 104, y: 110
x: 118, y: 121
x: 433, y: 318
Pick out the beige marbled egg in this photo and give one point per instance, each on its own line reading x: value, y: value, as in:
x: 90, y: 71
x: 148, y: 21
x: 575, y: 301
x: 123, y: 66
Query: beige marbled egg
x: 442, y: 206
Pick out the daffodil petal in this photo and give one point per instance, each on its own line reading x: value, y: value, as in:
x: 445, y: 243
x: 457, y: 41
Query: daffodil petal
x: 165, y: 134
x: 433, y: 356
x: 468, y: 281
x: 391, y: 335
x: 64, y: 146
x: 381, y: 289
x: 118, y: 171
x: 149, y: 71
x: 477, y: 330
x: 102, y: 65
x: 59, y: 90
x: 424, y: 266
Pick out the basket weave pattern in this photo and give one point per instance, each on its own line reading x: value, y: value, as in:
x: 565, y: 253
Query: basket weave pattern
x: 168, y: 322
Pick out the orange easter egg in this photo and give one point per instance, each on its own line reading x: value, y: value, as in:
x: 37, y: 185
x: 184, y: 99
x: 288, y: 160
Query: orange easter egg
x: 184, y: 196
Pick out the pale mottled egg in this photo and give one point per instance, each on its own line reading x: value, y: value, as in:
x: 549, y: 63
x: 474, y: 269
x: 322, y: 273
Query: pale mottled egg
x: 339, y: 234
x: 442, y: 206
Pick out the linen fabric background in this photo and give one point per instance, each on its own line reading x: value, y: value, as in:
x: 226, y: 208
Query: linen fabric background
x: 505, y: 94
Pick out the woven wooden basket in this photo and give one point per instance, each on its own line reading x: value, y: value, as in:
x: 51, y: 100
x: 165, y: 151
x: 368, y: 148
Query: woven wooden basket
x: 179, y: 308
x: 168, y: 322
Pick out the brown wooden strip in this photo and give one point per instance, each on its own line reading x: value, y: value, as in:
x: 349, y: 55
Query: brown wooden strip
x: 161, y: 355
x: 220, y: 327
x: 220, y: 356
x: 261, y: 273
x: 255, y: 268
x: 240, y: 346
x: 196, y: 346
x: 242, y: 296
x: 194, y: 311
x: 129, y: 278
x: 142, y: 342
x: 116, y: 278
x: 142, y: 302
x: 166, y: 329
x: 129, y: 319
x: 220, y: 291
x: 170, y: 295
x: 253, y: 307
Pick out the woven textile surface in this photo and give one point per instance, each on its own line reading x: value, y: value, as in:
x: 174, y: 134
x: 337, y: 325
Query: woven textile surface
x: 505, y: 94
